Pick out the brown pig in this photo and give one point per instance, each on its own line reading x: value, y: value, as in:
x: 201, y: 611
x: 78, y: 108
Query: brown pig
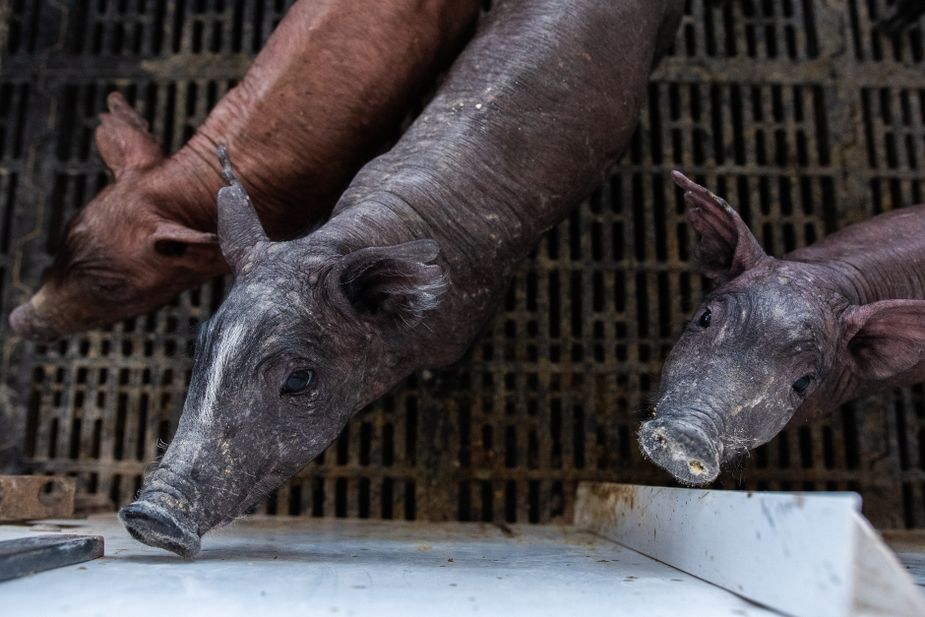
x: 330, y: 86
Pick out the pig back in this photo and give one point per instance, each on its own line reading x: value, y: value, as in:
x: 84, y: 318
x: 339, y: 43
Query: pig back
x: 327, y: 90
x: 542, y: 101
x: 538, y: 106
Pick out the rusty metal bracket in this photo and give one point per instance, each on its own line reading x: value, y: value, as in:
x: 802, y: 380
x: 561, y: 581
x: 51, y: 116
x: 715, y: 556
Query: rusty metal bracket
x: 29, y: 497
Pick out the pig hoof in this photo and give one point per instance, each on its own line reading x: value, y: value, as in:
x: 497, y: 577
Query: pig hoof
x: 155, y: 526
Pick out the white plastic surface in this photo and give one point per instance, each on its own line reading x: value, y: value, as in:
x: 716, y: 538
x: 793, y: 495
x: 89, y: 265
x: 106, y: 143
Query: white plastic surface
x: 286, y: 567
x: 808, y: 555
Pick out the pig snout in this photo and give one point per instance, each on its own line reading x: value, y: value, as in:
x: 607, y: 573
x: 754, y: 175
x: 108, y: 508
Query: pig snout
x: 689, y: 452
x: 153, y: 524
x: 27, y: 323
x: 161, y: 517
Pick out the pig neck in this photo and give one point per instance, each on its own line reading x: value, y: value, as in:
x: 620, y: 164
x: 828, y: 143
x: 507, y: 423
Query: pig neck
x: 194, y: 167
x: 504, y: 152
x: 880, y: 259
x: 478, y: 270
x: 282, y: 148
x: 194, y: 204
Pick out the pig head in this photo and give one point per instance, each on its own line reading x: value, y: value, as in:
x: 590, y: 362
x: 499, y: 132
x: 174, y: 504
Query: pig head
x: 774, y: 339
x: 120, y: 255
x: 323, y: 334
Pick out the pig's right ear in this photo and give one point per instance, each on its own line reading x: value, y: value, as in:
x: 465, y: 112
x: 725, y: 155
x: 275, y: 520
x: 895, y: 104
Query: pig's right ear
x: 391, y: 285
x: 123, y: 138
x: 196, y: 250
x: 726, y: 247
x: 885, y: 339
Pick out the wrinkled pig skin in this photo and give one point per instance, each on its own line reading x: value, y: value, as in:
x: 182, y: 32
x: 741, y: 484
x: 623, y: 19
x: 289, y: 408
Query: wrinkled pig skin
x: 415, y: 259
x: 789, y: 338
x: 329, y: 88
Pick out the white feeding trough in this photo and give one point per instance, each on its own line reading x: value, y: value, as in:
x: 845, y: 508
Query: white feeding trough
x: 801, y: 555
x: 807, y: 555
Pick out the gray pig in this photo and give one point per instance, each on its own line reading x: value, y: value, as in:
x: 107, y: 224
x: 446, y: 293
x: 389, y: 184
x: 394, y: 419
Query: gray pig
x: 782, y: 339
x: 414, y: 260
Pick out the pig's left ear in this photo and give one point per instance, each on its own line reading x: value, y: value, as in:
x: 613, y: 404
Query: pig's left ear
x: 123, y: 138
x: 886, y: 338
x: 393, y: 284
x: 727, y: 247
x: 195, y: 249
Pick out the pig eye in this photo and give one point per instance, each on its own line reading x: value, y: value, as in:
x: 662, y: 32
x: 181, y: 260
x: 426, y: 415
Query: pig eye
x: 801, y: 385
x: 297, y: 382
x: 705, y: 319
x: 108, y: 287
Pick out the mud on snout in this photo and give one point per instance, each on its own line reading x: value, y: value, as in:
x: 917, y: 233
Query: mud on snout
x: 167, y: 514
x: 689, y: 452
x: 156, y: 524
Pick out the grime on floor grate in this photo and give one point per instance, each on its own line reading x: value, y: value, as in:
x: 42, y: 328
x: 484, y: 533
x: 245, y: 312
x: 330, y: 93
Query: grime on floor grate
x: 800, y: 112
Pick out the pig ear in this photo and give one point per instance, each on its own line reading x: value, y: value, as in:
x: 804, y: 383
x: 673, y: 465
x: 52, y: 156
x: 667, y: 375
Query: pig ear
x: 727, y: 247
x: 397, y: 284
x: 177, y: 241
x: 886, y: 338
x: 239, y: 228
x: 123, y: 138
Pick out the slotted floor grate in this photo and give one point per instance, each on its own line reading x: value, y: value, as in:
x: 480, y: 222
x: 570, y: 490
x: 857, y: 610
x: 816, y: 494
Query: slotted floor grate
x: 799, y: 111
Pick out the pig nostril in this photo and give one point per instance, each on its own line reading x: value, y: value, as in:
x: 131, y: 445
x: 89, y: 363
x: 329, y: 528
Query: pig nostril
x: 696, y: 467
x: 658, y: 437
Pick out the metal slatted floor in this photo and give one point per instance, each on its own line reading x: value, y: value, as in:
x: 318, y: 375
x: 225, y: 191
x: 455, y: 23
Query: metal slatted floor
x: 799, y: 111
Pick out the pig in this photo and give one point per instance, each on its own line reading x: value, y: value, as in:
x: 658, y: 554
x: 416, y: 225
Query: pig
x: 414, y: 260
x: 329, y: 88
x: 785, y: 339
